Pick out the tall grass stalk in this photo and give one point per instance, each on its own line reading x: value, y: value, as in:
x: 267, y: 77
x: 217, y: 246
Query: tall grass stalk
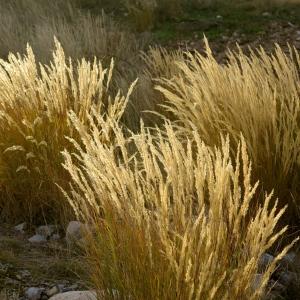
x: 171, y: 218
x: 35, y: 101
x: 257, y: 96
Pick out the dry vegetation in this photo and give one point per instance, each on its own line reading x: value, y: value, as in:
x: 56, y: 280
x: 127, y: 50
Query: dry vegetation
x: 175, y: 216
x: 257, y: 96
x: 169, y: 192
x: 35, y: 102
x: 81, y: 34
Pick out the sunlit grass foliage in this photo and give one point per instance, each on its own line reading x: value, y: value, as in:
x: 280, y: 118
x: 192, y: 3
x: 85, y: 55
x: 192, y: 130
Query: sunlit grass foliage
x: 34, y: 123
x: 256, y: 95
x: 173, y: 220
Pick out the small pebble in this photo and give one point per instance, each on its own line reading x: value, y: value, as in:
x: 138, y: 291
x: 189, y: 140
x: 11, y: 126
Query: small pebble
x: 34, y: 293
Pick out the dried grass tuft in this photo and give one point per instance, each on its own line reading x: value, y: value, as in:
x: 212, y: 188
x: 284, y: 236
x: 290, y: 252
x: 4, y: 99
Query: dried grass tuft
x: 172, y: 220
x: 257, y: 96
x: 34, y: 121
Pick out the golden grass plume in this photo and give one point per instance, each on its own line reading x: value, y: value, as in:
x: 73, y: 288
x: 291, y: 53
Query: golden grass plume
x: 35, y: 102
x: 171, y: 218
x: 257, y: 96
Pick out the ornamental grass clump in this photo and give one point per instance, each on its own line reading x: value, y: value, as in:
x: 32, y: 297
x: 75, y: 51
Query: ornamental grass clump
x: 35, y: 101
x: 256, y: 95
x: 171, y: 218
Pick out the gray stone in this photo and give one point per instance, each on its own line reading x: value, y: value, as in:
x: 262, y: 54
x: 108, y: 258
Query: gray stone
x: 46, y: 230
x: 34, y: 293
x: 265, y: 260
x: 78, y: 295
x: 74, y: 232
x: 37, y: 239
x: 21, y: 227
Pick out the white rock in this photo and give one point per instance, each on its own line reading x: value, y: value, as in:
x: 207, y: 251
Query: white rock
x: 34, y: 293
x: 78, y: 295
x: 74, y: 232
x: 21, y: 227
x: 46, y: 230
x: 37, y: 238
